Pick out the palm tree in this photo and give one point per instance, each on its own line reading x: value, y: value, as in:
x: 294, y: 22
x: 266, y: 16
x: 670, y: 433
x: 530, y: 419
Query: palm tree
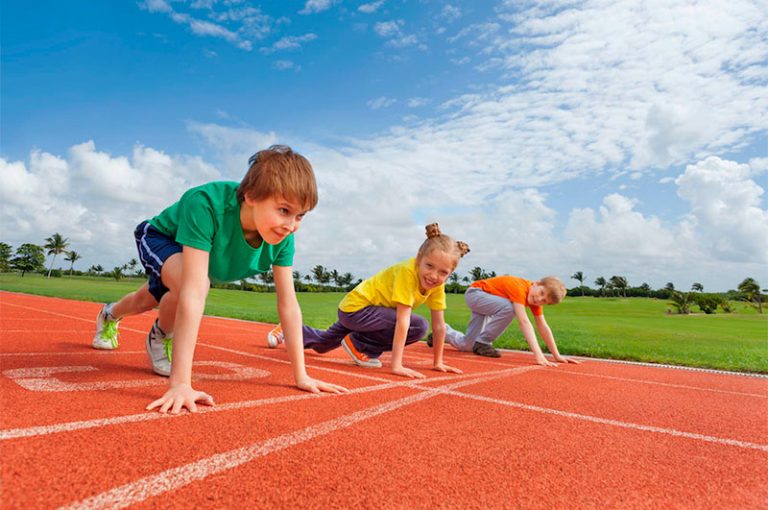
x: 697, y: 287
x: 132, y: 264
x: 751, y: 290
x: 681, y: 301
x: 334, y: 275
x: 476, y: 273
x: 619, y: 282
x: 578, y: 275
x: 600, y: 282
x: 320, y: 274
x: 55, y: 244
x: 117, y: 273
x: 72, y: 257
x: 346, y: 279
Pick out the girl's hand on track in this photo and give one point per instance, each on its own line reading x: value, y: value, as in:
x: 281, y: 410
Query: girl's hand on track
x: 407, y: 372
x: 442, y: 367
x: 317, y: 386
x: 180, y: 396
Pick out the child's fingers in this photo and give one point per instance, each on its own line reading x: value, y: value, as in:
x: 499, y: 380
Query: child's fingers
x: 154, y: 404
x: 206, y: 399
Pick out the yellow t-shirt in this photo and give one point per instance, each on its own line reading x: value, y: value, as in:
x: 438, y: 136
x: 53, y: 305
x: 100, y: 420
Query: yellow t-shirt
x: 396, y: 284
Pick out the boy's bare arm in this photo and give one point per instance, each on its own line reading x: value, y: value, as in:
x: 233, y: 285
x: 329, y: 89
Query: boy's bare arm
x: 526, y: 328
x: 438, y: 342
x: 398, y: 343
x: 290, y: 318
x: 546, y: 334
x: 193, y: 290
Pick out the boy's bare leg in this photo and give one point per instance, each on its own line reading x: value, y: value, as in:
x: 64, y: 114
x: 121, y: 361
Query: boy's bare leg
x: 171, y: 276
x: 134, y: 303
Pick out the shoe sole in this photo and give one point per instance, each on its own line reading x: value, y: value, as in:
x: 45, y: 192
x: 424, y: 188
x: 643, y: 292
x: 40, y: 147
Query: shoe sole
x: 366, y: 364
x: 103, y: 346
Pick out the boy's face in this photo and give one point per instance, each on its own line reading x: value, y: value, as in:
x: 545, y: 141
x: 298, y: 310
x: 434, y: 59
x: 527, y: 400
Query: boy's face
x: 537, y: 296
x: 434, y: 269
x: 274, y: 218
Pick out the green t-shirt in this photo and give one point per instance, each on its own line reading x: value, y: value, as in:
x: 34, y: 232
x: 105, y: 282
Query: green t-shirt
x: 208, y: 218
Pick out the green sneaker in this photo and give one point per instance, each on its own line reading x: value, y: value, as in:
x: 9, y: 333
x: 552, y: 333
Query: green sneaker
x: 106, y: 336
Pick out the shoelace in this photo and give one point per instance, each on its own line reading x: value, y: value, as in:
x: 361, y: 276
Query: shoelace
x: 168, y: 346
x: 110, y: 332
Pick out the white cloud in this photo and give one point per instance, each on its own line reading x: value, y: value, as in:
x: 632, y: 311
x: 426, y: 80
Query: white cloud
x: 286, y: 65
x: 388, y: 28
x: 240, y: 25
x: 289, y: 43
x: 726, y: 209
x: 450, y: 13
x: 381, y: 102
x: 315, y: 6
x: 370, y: 7
x: 416, y: 102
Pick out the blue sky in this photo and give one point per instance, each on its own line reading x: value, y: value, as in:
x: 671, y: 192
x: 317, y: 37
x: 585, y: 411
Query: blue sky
x: 554, y: 136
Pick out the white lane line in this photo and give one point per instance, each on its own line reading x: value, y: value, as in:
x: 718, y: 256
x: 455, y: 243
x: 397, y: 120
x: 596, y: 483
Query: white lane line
x: 668, y: 385
x: 86, y: 352
x: 175, y: 478
x: 43, y: 430
x: 614, y: 423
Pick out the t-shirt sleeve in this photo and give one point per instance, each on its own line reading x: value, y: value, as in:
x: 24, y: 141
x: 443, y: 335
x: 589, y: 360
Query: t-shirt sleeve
x: 196, y: 222
x: 284, y: 257
x: 402, y: 287
x: 536, y: 310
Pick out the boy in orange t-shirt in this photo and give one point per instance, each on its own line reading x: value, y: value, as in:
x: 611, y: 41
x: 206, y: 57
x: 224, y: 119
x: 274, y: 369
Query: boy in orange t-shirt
x: 495, y: 303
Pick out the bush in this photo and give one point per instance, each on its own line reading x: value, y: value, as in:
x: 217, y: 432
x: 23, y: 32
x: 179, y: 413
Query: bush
x: 708, y: 303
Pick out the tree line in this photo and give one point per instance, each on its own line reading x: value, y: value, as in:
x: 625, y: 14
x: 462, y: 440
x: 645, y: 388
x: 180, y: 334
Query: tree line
x: 681, y: 301
x: 31, y: 258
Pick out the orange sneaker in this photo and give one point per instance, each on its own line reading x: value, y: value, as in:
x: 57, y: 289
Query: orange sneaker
x: 275, y: 337
x: 358, y: 357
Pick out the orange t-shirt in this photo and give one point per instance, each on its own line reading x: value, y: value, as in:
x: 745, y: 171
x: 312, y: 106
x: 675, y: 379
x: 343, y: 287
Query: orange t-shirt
x: 509, y: 287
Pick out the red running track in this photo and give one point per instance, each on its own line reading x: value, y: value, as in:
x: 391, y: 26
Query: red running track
x: 505, y: 434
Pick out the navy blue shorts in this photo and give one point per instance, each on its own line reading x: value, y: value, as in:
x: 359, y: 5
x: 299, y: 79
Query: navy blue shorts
x: 154, y: 249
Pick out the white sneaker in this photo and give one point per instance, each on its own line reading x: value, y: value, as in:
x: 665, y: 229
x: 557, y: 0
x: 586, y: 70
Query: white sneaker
x: 159, y: 350
x: 106, y: 336
x: 275, y: 337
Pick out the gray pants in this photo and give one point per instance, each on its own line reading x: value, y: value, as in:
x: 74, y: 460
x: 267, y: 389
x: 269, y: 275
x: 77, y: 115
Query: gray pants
x: 490, y: 317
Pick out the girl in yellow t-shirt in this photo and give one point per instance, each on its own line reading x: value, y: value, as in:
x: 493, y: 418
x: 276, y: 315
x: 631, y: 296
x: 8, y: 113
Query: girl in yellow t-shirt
x: 377, y: 315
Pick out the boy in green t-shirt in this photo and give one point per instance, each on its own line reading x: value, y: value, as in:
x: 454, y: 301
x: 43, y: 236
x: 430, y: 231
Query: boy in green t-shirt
x: 218, y: 232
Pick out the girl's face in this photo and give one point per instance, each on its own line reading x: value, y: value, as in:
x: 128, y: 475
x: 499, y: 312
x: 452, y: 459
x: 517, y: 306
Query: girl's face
x: 274, y: 218
x: 434, y: 269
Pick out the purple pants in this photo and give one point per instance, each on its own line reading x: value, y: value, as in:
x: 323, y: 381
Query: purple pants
x: 372, y: 330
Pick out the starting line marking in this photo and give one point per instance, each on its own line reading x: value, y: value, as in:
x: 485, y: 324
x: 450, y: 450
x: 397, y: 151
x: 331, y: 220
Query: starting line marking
x: 41, y: 378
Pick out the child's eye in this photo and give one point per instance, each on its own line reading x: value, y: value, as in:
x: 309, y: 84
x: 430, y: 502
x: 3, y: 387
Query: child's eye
x: 283, y: 210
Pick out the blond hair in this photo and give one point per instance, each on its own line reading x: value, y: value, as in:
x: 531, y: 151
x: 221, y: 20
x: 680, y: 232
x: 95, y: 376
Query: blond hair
x: 436, y: 240
x: 278, y: 171
x: 554, y: 288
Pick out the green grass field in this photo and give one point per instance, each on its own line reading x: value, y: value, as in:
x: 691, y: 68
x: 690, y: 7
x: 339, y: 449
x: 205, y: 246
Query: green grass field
x: 630, y: 329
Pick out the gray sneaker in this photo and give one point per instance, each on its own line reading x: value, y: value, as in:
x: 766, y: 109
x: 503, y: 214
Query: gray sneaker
x: 106, y: 336
x: 486, y: 350
x: 159, y: 350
